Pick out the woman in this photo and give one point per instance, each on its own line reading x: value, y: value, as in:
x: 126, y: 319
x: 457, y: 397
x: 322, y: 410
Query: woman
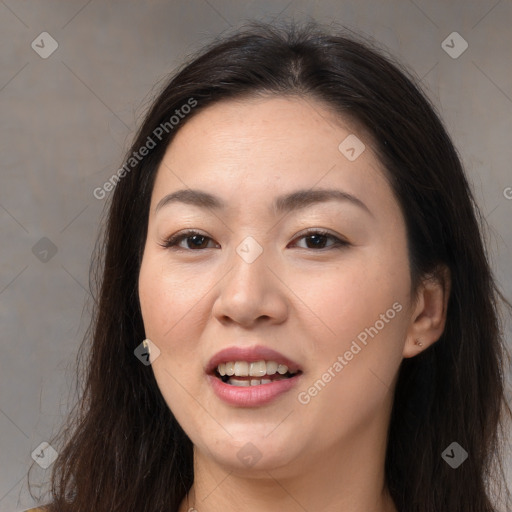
x: 295, y: 309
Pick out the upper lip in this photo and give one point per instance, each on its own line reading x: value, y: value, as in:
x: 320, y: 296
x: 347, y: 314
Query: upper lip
x: 250, y: 354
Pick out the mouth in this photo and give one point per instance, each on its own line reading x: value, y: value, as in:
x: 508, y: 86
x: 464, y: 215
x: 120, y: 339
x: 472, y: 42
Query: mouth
x: 251, y: 376
x: 255, y: 373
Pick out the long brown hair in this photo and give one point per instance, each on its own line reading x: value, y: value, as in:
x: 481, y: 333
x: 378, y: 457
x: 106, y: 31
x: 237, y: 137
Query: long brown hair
x: 121, y: 448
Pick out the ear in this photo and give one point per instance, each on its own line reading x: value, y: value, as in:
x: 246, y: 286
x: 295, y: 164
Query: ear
x: 429, y: 312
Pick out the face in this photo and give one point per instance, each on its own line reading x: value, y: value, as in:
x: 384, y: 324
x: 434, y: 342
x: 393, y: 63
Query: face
x: 323, y: 281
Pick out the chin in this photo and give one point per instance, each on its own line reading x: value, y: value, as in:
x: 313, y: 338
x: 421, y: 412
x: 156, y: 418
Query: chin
x: 250, y: 449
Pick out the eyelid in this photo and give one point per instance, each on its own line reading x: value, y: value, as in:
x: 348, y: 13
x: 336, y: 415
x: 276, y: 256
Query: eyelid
x: 172, y: 241
x: 339, y: 241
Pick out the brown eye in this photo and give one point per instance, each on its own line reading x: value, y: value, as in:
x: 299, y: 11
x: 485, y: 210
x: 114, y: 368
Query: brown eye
x: 194, y: 240
x: 318, y: 240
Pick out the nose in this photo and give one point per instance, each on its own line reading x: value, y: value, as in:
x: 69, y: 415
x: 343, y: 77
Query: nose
x: 251, y: 292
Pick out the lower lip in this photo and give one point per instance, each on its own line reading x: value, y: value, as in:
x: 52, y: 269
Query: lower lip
x: 251, y: 396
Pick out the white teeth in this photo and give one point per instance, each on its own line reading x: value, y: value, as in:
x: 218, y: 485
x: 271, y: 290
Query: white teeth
x: 251, y: 382
x: 258, y: 369
x: 241, y: 369
x: 282, y: 369
x: 230, y: 368
x: 271, y: 367
x: 239, y: 382
x: 253, y: 369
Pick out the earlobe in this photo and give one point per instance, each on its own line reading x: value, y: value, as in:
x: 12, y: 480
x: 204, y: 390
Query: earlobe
x: 429, y: 316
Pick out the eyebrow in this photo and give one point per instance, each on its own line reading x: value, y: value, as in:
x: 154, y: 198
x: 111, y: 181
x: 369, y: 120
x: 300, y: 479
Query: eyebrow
x: 282, y: 204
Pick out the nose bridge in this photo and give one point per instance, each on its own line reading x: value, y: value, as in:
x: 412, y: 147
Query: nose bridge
x: 250, y: 290
x: 249, y: 265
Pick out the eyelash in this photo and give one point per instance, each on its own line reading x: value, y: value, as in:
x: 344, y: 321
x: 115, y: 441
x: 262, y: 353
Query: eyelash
x: 174, y: 240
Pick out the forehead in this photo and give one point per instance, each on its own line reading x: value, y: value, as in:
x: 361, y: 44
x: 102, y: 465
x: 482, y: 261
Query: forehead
x: 253, y: 148
x: 245, y: 126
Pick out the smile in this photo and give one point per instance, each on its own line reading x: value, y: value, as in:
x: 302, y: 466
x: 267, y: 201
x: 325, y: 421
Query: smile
x: 244, y: 373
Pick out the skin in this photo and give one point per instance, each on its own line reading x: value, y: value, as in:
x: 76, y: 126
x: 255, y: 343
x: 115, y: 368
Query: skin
x: 308, y: 303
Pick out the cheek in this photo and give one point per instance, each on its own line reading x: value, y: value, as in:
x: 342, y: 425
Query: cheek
x: 173, y: 316
x: 168, y: 312
x: 364, y: 307
x: 358, y: 365
x: 169, y: 302
x: 352, y: 296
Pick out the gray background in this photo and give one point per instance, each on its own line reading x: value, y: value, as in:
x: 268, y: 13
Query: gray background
x: 67, y: 120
